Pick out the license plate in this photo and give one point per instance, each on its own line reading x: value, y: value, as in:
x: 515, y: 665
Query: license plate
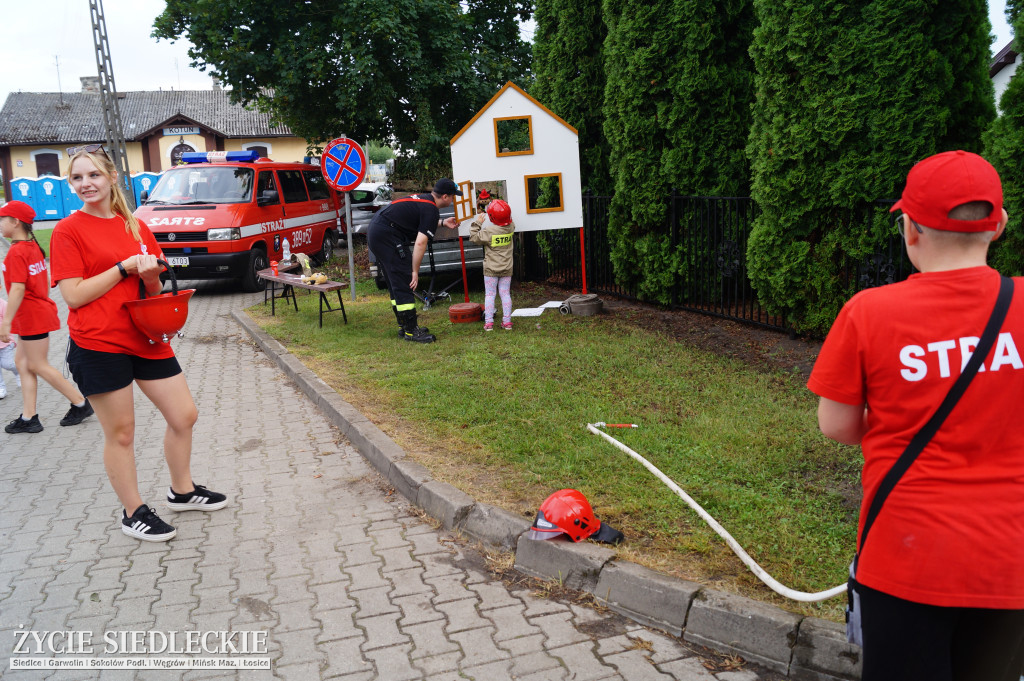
x: 177, y: 261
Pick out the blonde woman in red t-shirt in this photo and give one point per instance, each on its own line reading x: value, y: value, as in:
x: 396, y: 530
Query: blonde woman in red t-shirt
x: 99, y: 254
x: 32, y: 316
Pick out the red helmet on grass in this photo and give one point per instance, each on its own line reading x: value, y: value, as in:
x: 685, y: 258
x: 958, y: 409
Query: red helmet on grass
x: 499, y: 212
x: 568, y: 512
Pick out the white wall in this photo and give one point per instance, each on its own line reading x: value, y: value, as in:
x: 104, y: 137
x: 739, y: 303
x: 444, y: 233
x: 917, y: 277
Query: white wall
x: 1002, y: 79
x: 556, y: 150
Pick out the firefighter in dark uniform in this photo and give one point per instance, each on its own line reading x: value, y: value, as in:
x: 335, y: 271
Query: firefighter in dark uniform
x: 416, y: 218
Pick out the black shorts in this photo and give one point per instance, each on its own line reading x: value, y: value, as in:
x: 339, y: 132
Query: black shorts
x: 35, y: 336
x: 102, y: 372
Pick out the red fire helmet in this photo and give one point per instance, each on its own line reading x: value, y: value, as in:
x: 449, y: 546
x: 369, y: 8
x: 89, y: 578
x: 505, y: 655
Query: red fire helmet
x: 499, y: 213
x: 568, y: 512
x: 160, y: 317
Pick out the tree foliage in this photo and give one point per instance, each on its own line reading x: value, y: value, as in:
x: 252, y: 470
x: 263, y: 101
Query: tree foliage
x: 1004, y: 147
x: 569, y: 78
x: 677, y: 116
x: 412, y: 70
x: 849, y: 95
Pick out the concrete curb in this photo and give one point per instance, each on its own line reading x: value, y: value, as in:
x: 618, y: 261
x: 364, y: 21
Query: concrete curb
x: 803, y: 648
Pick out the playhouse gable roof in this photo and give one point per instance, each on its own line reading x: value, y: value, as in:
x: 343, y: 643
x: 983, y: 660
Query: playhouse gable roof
x: 505, y: 88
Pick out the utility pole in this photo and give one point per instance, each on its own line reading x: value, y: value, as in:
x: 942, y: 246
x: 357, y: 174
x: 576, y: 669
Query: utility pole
x: 108, y: 99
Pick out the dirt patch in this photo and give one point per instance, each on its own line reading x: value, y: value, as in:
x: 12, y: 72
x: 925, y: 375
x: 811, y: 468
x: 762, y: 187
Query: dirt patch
x: 758, y: 347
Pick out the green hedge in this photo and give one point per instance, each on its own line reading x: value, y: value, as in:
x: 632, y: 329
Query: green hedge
x: 849, y: 95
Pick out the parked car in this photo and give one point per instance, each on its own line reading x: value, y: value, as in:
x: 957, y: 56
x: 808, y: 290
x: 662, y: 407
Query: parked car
x: 367, y: 199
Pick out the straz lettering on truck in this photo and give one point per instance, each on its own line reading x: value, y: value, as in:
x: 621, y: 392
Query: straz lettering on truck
x: 156, y: 222
x: 301, y: 237
x: 272, y: 226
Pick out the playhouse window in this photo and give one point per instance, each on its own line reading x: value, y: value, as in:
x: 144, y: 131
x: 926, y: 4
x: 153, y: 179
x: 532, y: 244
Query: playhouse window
x: 544, y: 193
x: 464, y: 204
x: 513, y: 136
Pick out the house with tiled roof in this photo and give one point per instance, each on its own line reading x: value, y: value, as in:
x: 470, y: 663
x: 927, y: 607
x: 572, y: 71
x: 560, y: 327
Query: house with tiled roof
x: 37, y: 127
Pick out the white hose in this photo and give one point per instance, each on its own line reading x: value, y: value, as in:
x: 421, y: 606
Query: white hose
x: 770, y: 581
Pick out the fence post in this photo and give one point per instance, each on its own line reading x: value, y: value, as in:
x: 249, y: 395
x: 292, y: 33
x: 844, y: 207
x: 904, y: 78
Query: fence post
x: 673, y: 235
x: 585, y: 230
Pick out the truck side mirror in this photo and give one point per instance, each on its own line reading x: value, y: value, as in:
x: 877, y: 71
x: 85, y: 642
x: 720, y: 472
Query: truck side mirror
x: 267, y: 197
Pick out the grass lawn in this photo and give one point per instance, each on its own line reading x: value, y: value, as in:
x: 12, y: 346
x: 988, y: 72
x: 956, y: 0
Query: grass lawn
x: 502, y: 416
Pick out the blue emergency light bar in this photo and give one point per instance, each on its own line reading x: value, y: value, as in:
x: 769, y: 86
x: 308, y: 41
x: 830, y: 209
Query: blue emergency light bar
x: 220, y: 156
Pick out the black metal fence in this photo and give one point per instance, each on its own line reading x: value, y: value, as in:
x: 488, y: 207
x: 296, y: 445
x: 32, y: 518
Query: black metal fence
x: 710, y: 235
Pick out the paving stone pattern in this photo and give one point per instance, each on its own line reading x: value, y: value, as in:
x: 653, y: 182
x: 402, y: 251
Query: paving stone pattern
x: 346, y: 579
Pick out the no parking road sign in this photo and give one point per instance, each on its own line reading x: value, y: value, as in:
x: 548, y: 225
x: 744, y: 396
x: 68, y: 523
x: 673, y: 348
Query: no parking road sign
x: 343, y: 164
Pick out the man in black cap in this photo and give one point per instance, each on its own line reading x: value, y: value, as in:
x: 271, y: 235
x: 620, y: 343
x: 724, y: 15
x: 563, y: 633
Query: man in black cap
x: 412, y: 217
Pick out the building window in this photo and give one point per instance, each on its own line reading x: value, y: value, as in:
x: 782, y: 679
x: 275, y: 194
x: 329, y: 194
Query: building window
x: 544, y: 193
x: 261, y: 148
x: 513, y: 136
x: 47, y: 162
x: 178, y: 149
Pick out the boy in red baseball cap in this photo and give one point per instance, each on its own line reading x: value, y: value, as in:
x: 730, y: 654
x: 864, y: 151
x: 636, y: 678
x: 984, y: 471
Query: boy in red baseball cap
x: 940, y: 579
x: 32, y: 316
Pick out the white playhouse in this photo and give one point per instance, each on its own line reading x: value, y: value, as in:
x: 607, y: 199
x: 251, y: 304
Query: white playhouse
x: 523, y: 153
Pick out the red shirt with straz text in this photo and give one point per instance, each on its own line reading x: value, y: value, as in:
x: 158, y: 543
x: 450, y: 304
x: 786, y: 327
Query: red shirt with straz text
x: 26, y: 264
x: 951, y: 533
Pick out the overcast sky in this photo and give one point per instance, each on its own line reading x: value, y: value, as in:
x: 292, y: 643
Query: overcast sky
x: 40, y: 34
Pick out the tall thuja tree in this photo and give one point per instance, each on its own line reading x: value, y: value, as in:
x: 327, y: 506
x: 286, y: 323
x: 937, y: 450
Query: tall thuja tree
x: 849, y: 94
x: 1004, y: 147
x: 677, y: 113
x: 568, y: 71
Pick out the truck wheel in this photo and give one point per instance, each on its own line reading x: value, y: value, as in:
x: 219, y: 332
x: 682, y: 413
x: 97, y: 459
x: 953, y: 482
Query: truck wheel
x: 381, y: 282
x: 326, y: 251
x: 257, y: 261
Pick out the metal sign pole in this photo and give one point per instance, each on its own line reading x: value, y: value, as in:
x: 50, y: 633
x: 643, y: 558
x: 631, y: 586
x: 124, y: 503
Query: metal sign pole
x: 349, y: 237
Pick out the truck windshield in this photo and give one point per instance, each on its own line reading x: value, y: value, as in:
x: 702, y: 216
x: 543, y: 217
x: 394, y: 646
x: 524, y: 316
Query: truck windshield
x: 203, y: 184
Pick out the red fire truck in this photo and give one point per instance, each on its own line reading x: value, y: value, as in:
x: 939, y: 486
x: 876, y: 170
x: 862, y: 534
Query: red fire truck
x: 227, y: 215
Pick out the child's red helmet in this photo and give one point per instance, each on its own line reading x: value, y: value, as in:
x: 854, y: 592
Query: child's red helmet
x: 499, y: 213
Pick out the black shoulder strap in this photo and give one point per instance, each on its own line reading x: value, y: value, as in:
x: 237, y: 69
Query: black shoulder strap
x: 919, y: 441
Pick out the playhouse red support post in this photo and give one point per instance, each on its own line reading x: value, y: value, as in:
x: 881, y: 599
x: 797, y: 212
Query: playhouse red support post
x: 465, y: 283
x: 583, y: 261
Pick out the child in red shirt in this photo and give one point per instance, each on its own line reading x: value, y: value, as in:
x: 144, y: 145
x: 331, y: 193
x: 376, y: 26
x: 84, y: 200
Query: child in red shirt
x: 99, y: 256
x: 941, y: 575
x: 32, y: 316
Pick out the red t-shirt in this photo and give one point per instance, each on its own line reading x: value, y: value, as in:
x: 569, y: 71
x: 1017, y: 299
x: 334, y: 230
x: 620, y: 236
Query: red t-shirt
x: 951, y: 533
x: 26, y: 264
x: 83, y: 246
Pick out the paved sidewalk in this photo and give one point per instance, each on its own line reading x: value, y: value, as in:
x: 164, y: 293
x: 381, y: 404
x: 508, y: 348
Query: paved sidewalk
x: 345, y: 579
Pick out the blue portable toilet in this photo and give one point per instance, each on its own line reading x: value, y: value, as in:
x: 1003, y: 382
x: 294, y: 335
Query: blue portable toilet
x: 71, y: 200
x: 143, y: 182
x: 24, y: 189
x: 49, y: 199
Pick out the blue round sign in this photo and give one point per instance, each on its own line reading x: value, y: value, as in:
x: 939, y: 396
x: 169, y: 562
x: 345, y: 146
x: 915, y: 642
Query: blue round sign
x: 343, y: 164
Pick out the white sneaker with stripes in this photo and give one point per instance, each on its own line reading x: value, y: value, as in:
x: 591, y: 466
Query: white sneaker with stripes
x: 199, y: 499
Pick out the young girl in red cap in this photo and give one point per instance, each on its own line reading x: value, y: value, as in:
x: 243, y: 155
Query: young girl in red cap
x: 32, y: 316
